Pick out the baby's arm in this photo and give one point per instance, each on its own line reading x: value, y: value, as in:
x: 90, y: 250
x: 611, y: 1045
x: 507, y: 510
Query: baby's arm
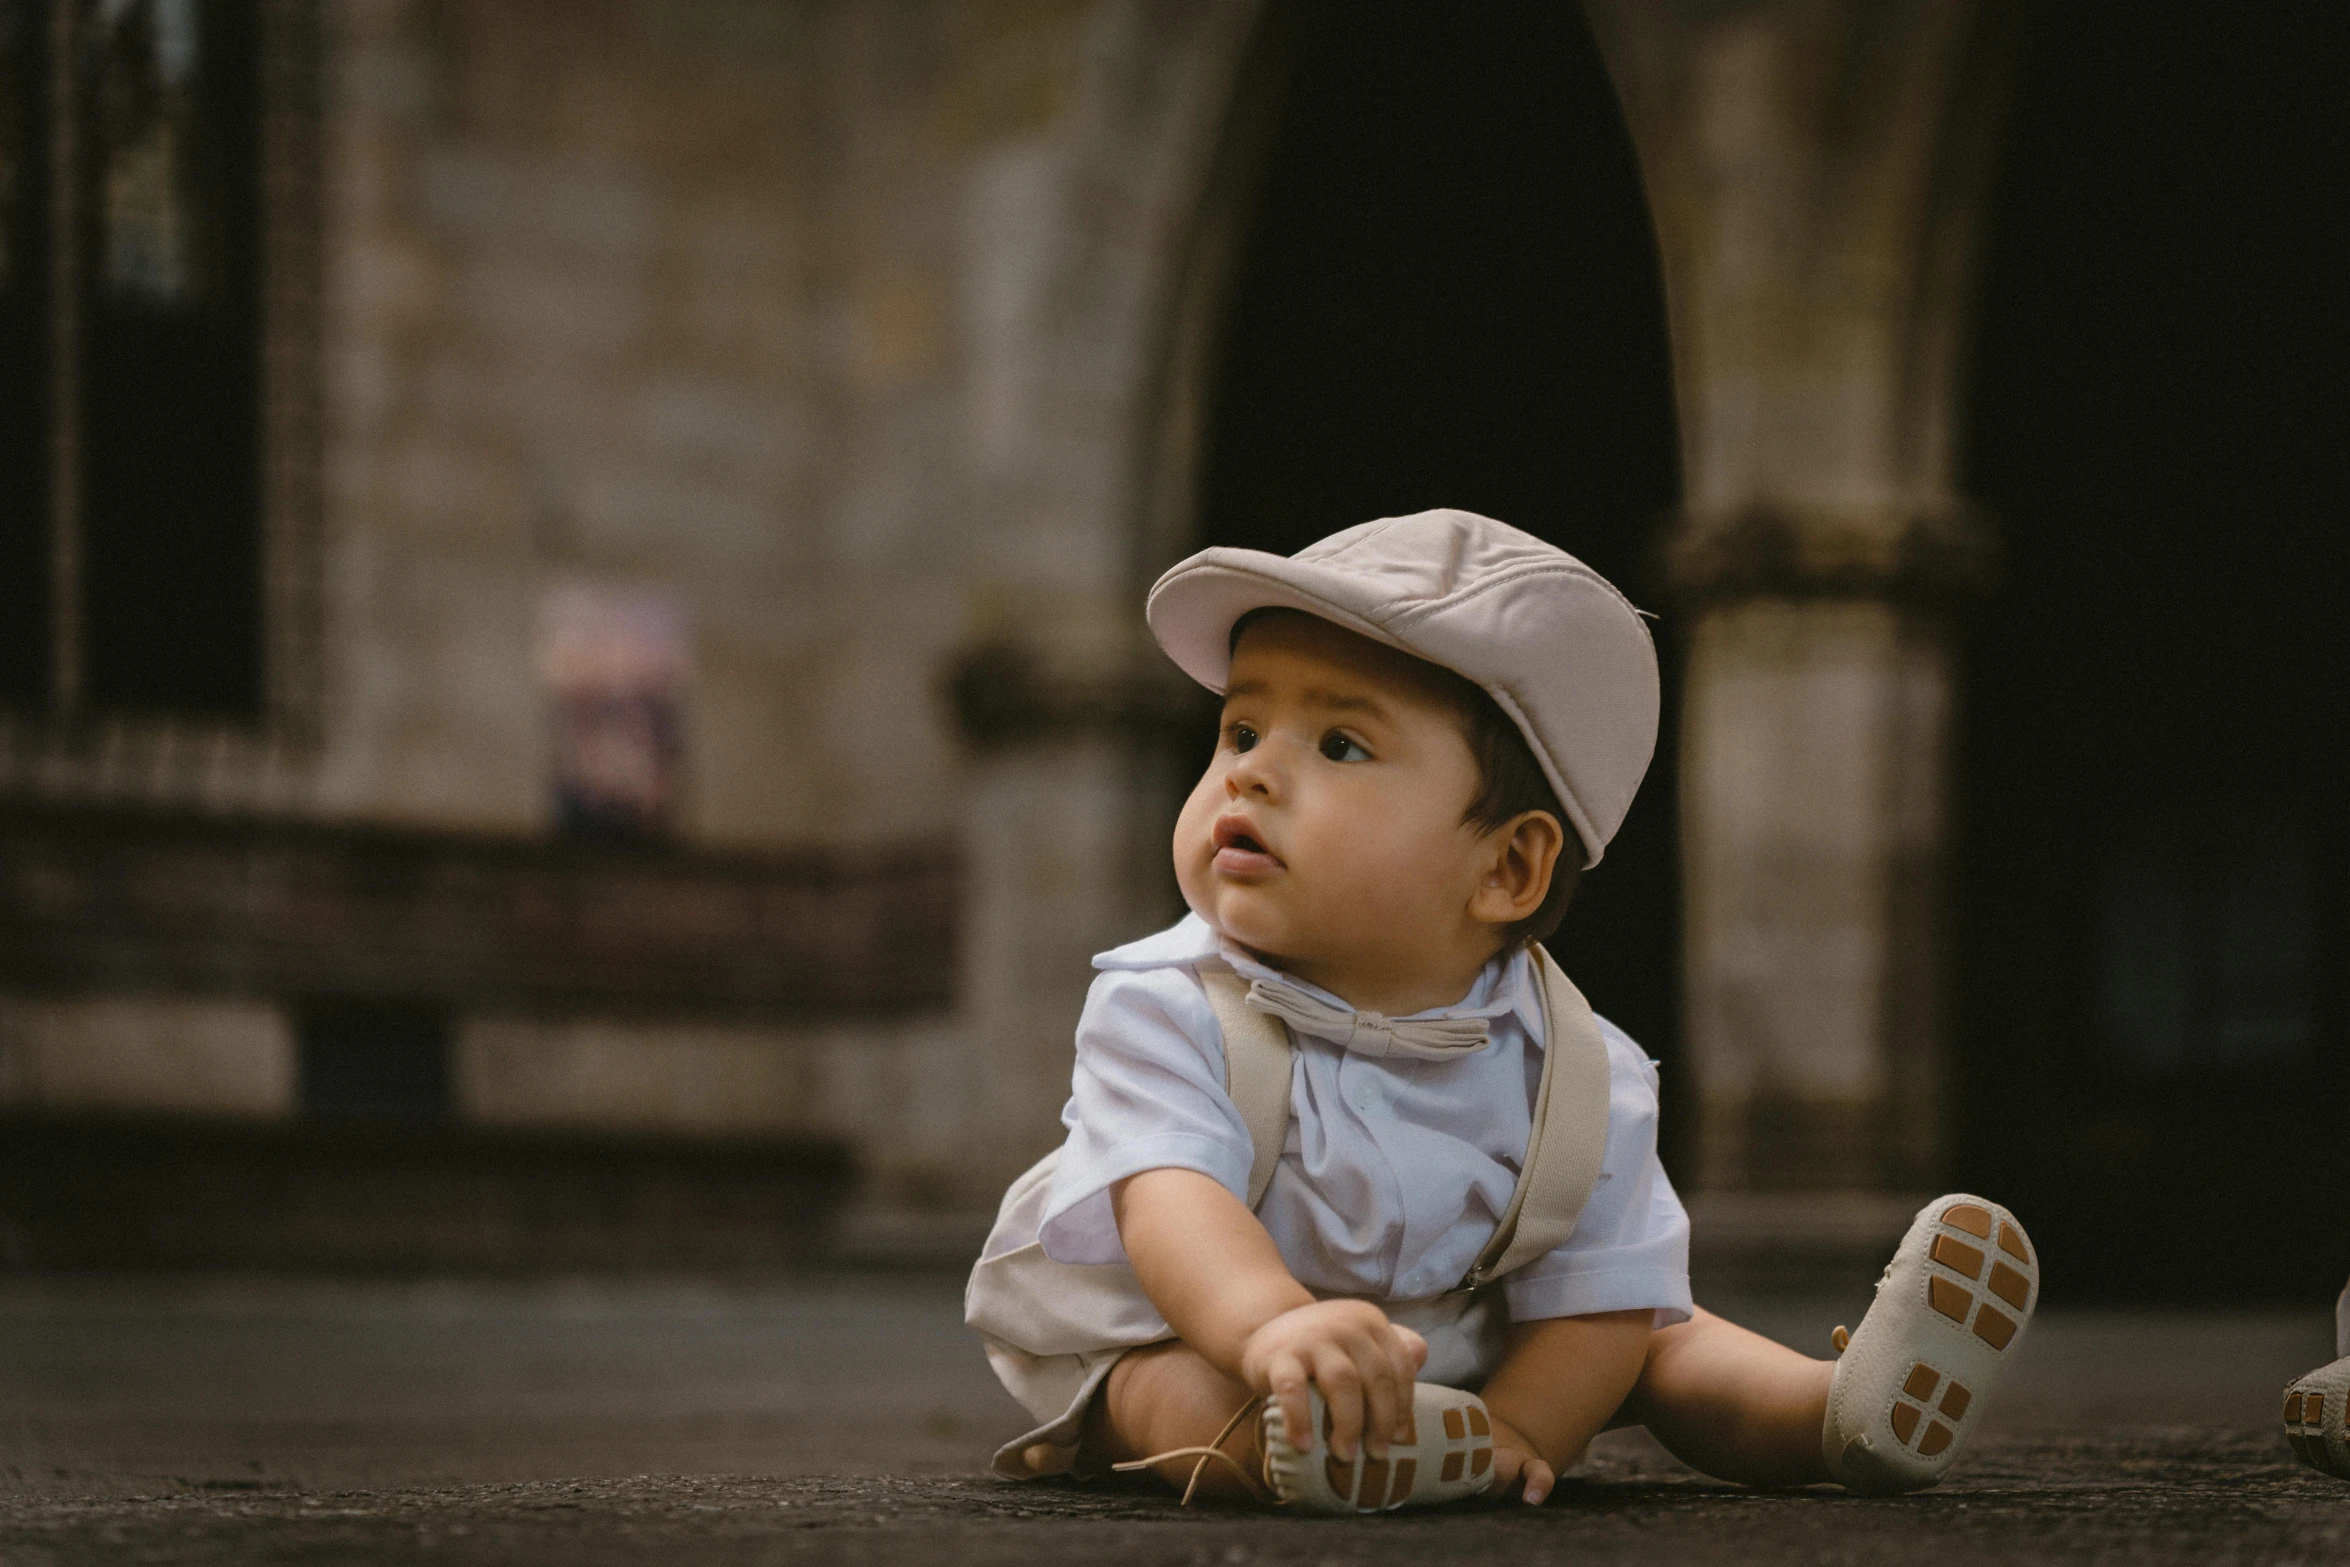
x: 1558, y: 1384
x: 1215, y: 1275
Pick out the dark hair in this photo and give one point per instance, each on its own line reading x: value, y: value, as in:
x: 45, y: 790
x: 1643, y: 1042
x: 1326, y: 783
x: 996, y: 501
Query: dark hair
x: 1509, y: 782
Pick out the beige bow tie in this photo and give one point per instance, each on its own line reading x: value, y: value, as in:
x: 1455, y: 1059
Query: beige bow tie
x: 1373, y: 1033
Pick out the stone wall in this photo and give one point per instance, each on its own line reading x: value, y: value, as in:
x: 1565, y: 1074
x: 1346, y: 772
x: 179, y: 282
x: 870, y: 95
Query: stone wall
x: 840, y: 321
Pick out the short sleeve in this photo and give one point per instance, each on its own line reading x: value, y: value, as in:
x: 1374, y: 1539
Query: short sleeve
x: 1148, y: 1094
x: 1630, y: 1248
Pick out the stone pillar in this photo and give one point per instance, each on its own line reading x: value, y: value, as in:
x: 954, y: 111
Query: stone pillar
x: 1814, y: 167
x: 1813, y: 801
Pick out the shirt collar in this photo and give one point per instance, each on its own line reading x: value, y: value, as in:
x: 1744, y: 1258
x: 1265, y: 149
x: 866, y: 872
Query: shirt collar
x: 1507, y: 980
x: 1187, y: 941
x: 1510, y: 977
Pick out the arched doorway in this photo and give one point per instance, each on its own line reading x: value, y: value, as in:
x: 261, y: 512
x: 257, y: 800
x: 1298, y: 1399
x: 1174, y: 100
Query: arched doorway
x: 1448, y: 295
x: 2151, y: 866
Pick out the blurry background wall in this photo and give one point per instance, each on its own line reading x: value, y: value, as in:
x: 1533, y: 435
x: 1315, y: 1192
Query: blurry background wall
x: 568, y: 596
x: 818, y: 328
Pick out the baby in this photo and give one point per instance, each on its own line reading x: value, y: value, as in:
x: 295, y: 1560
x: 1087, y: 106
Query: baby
x: 1360, y: 1205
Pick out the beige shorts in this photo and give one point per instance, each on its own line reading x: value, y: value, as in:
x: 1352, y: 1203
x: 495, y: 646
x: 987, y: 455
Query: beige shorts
x: 1464, y: 1346
x: 1054, y: 1329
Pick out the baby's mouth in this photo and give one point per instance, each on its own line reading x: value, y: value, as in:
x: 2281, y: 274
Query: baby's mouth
x: 1240, y: 850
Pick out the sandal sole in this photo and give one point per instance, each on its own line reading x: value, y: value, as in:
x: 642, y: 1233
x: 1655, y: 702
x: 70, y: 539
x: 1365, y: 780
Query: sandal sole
x: 1982, y: 1276
x: 1450, y: 1448
x: 1978, y: 1280
x: 2316, y: 1406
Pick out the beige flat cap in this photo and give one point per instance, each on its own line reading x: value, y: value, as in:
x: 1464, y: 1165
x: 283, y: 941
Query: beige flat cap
x: 1551, y: 640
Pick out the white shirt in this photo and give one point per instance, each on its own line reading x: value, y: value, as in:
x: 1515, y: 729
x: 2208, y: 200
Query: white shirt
x: 1396, y: 1170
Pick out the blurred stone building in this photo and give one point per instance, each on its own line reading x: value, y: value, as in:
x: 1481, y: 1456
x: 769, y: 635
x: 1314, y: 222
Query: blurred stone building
x: 571, y: 684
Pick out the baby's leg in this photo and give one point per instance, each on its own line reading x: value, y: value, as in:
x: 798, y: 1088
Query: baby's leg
x: 1166, y: 1397
x: 1733, y: 1404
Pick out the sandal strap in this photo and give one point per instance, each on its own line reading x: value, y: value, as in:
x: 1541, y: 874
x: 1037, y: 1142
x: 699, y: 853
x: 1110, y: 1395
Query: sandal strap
x: 1213, y: 1452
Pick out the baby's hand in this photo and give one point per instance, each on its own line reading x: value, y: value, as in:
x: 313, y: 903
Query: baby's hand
x: 1516, y: 1466
x: 1364, y: 1364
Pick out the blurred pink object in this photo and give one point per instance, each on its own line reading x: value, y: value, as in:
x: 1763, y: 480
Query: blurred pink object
x: 616, y: 664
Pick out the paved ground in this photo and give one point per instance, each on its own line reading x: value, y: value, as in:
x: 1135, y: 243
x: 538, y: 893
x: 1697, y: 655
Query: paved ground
x: 844, y: 1420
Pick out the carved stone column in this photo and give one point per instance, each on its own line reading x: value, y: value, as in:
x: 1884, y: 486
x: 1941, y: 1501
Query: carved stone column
x: 1814, y: 170
x: 1815, y: 750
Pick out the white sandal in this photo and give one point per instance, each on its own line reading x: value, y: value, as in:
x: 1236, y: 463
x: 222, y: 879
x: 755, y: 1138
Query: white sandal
x: 2315, y: 1406
x: 1950, y: 1309
x: 1449, y: 1456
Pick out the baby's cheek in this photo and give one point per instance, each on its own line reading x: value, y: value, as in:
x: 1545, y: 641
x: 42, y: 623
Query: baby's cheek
x: 1392, y: 877
x: 1192, y: 876
x: 1362, y: 884
x: 1194, y: 827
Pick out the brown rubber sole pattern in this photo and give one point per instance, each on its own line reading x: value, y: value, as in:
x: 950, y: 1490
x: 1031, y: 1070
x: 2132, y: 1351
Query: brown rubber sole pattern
x: 1953, y: 1291
x: 1382, y: 1484
x: 1978, y: 1288
x: 2307, y: 1412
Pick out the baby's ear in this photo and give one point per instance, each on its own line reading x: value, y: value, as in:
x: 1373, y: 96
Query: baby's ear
x: 1525, y: 855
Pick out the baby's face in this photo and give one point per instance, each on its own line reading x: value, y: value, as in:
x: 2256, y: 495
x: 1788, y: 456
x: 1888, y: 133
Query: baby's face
x: 1326, y: 835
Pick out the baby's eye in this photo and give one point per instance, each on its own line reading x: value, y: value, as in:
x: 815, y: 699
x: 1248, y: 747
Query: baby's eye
x: 1244, y: 738
x: 1338, y: 747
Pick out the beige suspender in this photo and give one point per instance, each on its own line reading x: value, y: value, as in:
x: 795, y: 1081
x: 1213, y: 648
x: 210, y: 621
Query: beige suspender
x: 1563, y: 1152
x: 1256, y: 1073
x: 1569, y: 1138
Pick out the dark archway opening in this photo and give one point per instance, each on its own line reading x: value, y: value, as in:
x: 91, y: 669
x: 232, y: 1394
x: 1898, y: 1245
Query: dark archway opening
x: 2151, y: 858
x: 1449, y: 296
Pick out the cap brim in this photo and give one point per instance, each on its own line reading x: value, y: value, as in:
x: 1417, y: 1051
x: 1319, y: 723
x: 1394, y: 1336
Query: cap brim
x: 1193, y: 609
